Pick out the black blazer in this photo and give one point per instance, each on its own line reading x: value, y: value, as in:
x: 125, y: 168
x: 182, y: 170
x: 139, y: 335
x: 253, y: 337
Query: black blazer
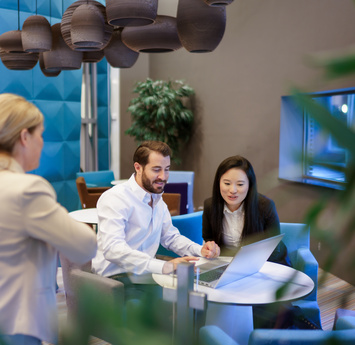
x: 271, y: 225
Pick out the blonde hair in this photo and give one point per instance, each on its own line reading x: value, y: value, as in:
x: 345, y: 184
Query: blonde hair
x: 16, y: 114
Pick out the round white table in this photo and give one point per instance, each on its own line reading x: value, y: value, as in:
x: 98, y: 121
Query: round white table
x: 86, y: 215
x: 230, y: 306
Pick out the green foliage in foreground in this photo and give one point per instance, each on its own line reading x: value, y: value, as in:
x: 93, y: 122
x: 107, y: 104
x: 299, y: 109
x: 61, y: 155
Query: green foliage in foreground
x: 146, y: 322
x: 335, y: 232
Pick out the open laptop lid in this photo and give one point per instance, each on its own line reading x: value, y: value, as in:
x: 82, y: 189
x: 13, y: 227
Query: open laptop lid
x: 248, y: 260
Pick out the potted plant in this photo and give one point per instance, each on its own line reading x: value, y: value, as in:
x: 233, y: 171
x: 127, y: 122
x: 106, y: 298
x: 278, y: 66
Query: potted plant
x: 159, y: 113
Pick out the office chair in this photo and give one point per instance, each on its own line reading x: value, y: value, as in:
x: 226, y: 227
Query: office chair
x: 181, y: 188
x: 101, y: 178
x: 88, y: 196
x: 172, y: 200
x: 188, y: 177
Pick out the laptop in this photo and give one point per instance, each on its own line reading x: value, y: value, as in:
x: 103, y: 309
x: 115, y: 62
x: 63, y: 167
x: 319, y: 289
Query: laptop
x: 247, y: 261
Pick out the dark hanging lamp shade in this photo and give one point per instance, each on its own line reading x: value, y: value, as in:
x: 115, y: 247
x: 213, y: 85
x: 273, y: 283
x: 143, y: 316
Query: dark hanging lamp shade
x: 118, y: 54
x: 131, y: 12
x: 93, y: 56
x: 61, y: 57
x: 18, y: 61
x: 200, y: 27
x: 11, y: 41
x: 47, y: 72
x: 67, y: 22
x: 216, y: 3
x: 36, y: 34
x: 160, y: 37
x: 87, y: 27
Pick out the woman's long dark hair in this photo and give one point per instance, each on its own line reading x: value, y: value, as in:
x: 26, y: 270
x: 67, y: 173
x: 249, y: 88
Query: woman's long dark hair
x: 252, y: 219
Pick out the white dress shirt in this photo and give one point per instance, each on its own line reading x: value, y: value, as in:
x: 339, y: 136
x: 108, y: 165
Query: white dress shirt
x: 130, y: 231
x: 233, y: 223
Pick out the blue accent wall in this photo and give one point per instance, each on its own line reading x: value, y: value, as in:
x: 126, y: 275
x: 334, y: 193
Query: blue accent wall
x: 103, y: 118
x: 59, y: 100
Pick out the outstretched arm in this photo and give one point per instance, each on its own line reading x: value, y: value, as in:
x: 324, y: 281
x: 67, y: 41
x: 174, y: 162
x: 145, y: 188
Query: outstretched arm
x: 171, y: 266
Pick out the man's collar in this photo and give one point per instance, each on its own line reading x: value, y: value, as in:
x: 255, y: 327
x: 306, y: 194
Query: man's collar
x: 141, y: 192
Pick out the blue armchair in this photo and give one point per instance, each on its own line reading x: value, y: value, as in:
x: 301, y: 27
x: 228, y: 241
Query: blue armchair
x: 100, y: 178
x: 189, y: 225
x: 188, y: 177
x: 297, y: 240
x: 343, y: 334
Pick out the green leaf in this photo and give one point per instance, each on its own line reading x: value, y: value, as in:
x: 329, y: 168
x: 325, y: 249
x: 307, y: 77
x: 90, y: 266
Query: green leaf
x: 335, y: 67
x: 158, y: 113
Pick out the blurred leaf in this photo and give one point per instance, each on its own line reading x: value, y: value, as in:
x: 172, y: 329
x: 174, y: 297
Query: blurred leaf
x: 336, y: 66
x: 283, y: 289
x: 343, y: 134
x: 314, y: 211
x: 144, y: 322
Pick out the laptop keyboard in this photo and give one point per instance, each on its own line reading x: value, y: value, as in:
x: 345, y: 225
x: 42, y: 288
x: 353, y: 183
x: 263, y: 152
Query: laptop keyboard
x: 212, y: 275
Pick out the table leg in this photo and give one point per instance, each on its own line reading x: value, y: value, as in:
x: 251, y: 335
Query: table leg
x: 235, y: 320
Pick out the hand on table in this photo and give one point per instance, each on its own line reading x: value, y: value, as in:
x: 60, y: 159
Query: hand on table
x: 171, y: 265
x: 210, y: 250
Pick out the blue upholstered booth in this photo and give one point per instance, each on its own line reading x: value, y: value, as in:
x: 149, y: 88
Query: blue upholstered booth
x: 297, y: 241
x: 59, y: 99
x: 189, y: 225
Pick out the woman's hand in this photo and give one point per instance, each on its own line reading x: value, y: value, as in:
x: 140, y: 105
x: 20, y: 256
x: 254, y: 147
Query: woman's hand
x: 171, y: 265
x: 210, y: 250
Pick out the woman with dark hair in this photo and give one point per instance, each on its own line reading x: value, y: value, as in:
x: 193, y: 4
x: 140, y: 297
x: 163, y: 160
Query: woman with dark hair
x: 236, y: 212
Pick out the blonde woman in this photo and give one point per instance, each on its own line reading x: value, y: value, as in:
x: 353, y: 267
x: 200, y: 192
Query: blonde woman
x: 33, y: 228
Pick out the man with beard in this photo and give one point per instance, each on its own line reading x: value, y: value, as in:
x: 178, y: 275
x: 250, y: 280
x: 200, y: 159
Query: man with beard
x: 134, y: 220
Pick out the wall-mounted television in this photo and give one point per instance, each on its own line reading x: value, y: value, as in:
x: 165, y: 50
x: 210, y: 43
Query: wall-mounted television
x: 308, y: 153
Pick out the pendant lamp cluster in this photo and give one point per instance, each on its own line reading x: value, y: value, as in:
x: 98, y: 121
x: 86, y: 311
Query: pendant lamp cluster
x: 119, y: 31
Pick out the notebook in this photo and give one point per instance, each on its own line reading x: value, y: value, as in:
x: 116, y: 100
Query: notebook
x: 247, y: 261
